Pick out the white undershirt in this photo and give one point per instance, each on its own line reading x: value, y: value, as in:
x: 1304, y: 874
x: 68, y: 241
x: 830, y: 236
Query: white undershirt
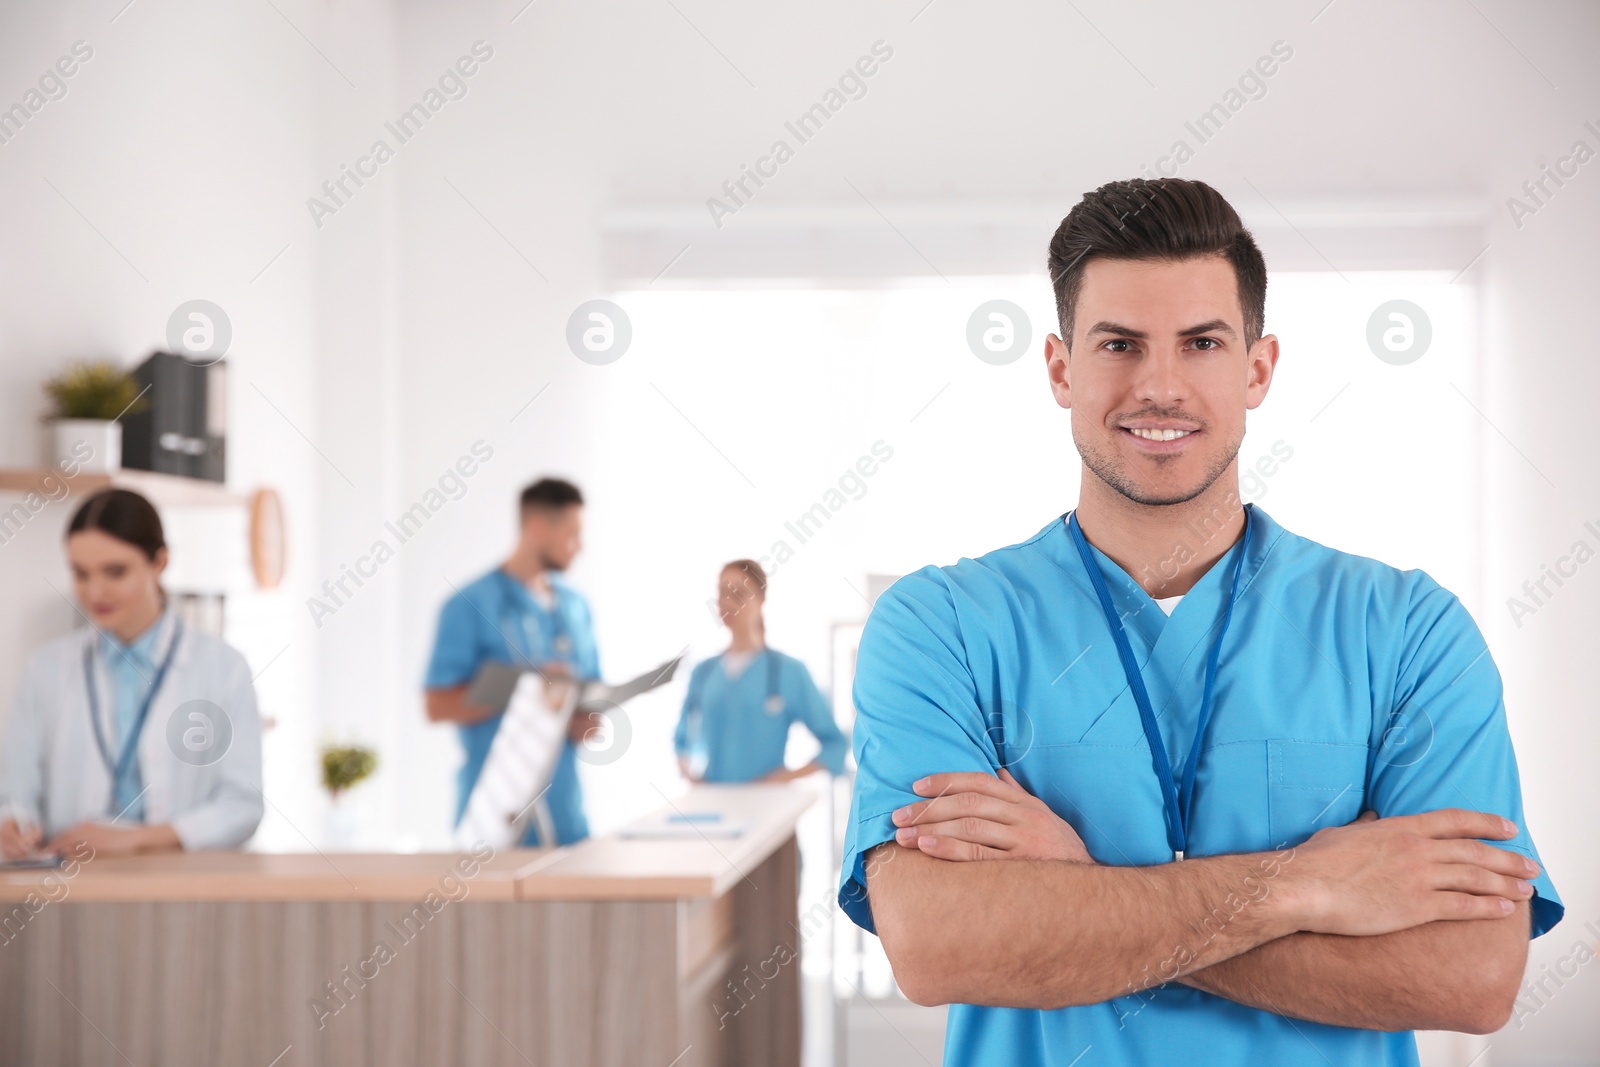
x: 734, y: 663
x: 1168, y: 603
x: 545, y: 597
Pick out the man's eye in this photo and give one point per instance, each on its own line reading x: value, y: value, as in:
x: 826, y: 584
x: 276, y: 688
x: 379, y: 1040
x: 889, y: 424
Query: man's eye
x: 1210, y: 341
x: 1118, y: 341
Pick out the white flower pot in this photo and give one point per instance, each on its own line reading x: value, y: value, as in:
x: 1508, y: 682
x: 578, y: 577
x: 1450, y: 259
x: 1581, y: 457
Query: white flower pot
x: 92, y: 445
x: 344, y: 825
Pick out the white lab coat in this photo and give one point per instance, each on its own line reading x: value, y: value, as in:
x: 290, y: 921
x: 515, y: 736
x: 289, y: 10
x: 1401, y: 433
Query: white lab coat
x: 52, y: 771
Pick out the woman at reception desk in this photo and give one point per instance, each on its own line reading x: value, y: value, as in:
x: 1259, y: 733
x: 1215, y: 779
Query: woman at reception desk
x: 135, y: 733
x: 736, y: 716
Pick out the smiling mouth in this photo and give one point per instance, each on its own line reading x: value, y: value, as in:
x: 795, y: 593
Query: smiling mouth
x: 1159, y: 435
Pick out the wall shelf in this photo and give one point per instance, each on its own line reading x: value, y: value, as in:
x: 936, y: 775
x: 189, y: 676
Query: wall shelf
x: 168, y: 490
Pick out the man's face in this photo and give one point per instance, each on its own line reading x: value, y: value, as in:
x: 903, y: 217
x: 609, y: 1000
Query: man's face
x: 1158, y: 378
x: 557, y: 533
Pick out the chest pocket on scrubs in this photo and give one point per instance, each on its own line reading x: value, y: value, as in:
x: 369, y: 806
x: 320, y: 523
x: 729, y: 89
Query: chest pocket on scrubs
x: 1312, y: 785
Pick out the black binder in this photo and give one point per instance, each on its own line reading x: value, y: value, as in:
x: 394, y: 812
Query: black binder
x: 183, y: 429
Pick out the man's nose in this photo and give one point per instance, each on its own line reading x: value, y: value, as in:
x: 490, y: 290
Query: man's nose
x: 1161, y: 378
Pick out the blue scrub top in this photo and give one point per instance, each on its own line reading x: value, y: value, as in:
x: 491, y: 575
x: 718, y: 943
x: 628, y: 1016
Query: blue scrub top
x: 496, y: 618
x: 1344, y: 684
x: 742, y: 738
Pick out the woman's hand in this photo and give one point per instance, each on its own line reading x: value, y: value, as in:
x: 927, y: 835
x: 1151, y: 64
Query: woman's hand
x: 17, y: 841
x: 687, y: 771
x: 784, y: 774
x: 975, y: 816
x: 107, y: 840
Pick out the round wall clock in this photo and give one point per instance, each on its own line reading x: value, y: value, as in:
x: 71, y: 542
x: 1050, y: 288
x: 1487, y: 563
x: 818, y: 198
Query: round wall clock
x: 266, y: 538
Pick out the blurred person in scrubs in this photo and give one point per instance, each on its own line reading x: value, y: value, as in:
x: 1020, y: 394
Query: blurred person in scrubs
x: 137, y: 733
x: 521, y: 612
x: 1246, y: 799
x: 736, y: 716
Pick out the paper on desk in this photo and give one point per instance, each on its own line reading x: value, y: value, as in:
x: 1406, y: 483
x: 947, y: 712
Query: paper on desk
x: 666, y: 826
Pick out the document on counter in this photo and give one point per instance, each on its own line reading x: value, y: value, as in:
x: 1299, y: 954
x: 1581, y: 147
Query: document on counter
x: 688, y: 824
x: 522, y: 758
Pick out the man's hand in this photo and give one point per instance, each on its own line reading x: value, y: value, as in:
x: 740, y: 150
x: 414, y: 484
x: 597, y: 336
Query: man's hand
x: 975, y: 816
x: 17, y: 841
x: 1377, y: 876
x: 586, y: 724
x: 558, y: 683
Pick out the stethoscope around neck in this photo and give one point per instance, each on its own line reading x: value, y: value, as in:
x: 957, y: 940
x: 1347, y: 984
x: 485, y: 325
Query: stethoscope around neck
x: 560, y: 643
x: 773, y: 704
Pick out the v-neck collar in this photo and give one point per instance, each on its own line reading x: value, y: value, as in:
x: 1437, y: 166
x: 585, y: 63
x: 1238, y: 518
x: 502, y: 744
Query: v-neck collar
x: 526, y: 598
x: 749, y: 665
x: 1170, y: 650
x: 141, y: 654
x: 1200, y: 610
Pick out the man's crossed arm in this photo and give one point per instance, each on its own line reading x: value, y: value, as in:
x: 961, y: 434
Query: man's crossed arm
x: 1385, y: 924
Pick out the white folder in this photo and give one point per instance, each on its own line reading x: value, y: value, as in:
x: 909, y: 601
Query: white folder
x: 522, y: 758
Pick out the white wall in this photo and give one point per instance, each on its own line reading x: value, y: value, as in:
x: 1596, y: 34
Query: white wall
x: 180, y: 153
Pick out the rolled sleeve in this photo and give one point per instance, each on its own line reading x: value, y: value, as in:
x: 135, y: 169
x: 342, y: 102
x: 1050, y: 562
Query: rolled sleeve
x: 455, y: 645
x: 917, y: 713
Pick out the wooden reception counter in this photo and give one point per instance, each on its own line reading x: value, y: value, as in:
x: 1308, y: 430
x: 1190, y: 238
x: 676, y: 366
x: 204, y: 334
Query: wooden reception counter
x: 645, y: 952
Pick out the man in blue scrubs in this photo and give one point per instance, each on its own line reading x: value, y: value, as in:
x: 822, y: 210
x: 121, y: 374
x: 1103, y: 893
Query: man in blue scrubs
x: 1256, y: 798
x: 523, y: 612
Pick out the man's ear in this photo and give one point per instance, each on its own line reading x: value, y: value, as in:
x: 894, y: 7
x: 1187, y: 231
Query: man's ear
x: 1263, y: 362
x: 1057, y: 360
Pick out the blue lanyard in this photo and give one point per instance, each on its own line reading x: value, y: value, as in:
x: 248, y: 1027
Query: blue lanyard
x: 1177, y: 803
x: 119, y: 766
x: 560, y: 641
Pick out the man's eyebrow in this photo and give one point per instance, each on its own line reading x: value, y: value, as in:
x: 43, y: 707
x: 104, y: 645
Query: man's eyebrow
x: 1213, y: 326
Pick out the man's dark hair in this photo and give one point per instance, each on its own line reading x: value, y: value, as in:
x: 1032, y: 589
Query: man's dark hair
x: 549, y: 494
x: 1164, y: 218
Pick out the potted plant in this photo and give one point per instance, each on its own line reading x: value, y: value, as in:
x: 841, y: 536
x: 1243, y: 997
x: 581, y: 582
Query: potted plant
x: 344, y: 766
x: 87, y: 399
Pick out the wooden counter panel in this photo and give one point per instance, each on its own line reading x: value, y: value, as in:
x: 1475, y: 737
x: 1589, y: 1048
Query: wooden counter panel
x: 708, y: 928
x: 497, y: 983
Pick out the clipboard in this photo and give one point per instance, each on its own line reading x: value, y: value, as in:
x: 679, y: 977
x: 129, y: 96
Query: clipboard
x: 494, y: 683
x: 522, y: 758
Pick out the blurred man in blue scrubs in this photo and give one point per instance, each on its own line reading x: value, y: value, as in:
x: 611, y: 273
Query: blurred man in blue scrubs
x: 735, y: 721
x: 522, y: 612
x: 1255, y: 798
